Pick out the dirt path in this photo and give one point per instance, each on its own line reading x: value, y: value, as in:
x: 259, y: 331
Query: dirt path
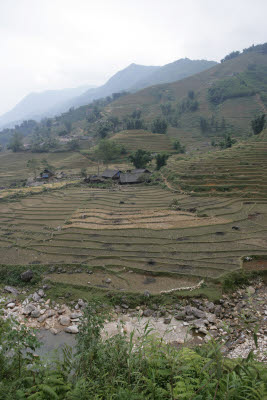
x: 261, y: 104
x: 179, y: 190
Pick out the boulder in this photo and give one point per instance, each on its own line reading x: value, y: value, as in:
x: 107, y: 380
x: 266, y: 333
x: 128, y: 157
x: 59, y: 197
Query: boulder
x: 41, y: 293
x: 42, y: 318
x: 198, y: 313
x: 35, y: 313
x: 11, y: 290
x: 50, y: 313
x: 54, y: 331
x: 167, y: 320
x: 211, y: 318
x: 26, y: 276
x: 28, y: 309
x: 64, y: 320
x: 36, y: 297
x: 11, y: 305
x: 147, y: 312
x: 72, y: 329
x: 250, y: 290
x: 180, y: 315
x: 75, y: 315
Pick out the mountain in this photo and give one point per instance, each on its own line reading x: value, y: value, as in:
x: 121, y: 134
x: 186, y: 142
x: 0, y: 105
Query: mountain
x: 39, y: 105
x: 121, y: 81
x: 225, y: 99
x: 50, y: 103
x: 136, y: 77
x: 174, y: 71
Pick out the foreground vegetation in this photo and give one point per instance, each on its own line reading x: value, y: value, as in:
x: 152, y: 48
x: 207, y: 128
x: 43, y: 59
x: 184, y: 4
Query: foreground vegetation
x: 118, y: 368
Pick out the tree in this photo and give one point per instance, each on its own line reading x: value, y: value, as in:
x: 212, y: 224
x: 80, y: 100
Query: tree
x: 73, y: 145
x: 178, y: 147
x: 140, y: 158
x: 161, y: 160
x: 159, y: 125
x: 108, y: 150
x: 16, y: 143
x: 33, y: 165
x: 68, y: 126
x: 227, y: 142
x: 258, y: 123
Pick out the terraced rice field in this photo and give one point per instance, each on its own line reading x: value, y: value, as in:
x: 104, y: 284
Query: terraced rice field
x: 133, y: 228
x: 239, y: 171
x: 13, y: 166
x: 140, y: 139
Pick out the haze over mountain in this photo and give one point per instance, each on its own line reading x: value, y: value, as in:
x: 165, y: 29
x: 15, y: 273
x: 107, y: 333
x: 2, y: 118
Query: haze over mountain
x: 134, y: 77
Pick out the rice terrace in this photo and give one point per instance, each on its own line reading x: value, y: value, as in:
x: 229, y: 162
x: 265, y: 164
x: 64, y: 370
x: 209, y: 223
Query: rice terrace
x: 148, y: 230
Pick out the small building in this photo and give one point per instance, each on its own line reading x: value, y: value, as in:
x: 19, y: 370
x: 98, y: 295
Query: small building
x: 94, y: 179
x: 140, y: 171
x: 130, y: 178
x: 46, y: 174
x: 111, y: 174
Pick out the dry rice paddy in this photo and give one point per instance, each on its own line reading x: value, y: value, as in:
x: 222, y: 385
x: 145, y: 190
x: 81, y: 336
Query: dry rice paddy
x: 133, y: 228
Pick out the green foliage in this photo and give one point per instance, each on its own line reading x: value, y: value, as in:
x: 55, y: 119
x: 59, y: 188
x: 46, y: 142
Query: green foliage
x: 178, y: 147
x: 227, y: 142
x: 258, y: 124
x: 140, y: 158
x: 108, y: 150
x: 161, y: 160
x: 123, y: 368
x: 159, y: 125
x: 230, y: 56
x: 16, y: 142
x: 73, y: 145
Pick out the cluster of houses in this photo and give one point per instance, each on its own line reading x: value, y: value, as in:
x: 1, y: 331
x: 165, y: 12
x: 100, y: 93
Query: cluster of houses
x: 130, y: 177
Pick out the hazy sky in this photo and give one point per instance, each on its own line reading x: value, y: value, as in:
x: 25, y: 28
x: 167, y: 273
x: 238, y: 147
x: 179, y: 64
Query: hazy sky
x: 53, y: 44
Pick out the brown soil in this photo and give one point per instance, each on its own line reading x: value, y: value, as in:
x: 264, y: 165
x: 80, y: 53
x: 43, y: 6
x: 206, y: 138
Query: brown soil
x: 255, y: 265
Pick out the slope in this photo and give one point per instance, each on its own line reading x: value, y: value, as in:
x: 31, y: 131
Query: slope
x: 227, y: 96
x: 240, y: 171
x: 38, y: 105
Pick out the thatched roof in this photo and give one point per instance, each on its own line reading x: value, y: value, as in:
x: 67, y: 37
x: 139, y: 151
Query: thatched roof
x: 111, y: 173
x: 129, y: 178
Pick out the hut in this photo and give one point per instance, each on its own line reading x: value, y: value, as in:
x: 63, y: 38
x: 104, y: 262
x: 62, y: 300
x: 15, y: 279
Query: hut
x: 111, y: 174
x: 130, y: 178
x: 46, y: 174
x: 94, y: 179
x: 140, y: 171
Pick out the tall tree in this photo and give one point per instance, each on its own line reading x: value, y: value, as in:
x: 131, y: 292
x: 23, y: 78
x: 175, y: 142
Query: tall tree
x: 16, y: 143
x: 258, y: 124
x: 140, y: 158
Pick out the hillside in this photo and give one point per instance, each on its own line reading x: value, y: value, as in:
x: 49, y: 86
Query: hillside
x: 39, y: 105
x: 136, y: 77
x: 52, y: 102
x: 240, y: 171
x: 174, y: 71
x: 226, y: 97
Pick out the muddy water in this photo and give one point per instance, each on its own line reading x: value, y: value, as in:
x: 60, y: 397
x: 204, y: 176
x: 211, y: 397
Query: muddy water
x: 50, y: 342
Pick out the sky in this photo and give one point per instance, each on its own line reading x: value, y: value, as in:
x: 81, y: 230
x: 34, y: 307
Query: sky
x: 55, y: 44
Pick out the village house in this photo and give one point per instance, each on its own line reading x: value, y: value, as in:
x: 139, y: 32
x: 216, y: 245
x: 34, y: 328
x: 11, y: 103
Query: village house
x: 111, y: 174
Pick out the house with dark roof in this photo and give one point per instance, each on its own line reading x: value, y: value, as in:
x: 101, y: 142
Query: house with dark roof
x: 140, y: 171
x: 46, y: 174
x: 130, y: 178
x: 94, y: 179
x: 111, y: 174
